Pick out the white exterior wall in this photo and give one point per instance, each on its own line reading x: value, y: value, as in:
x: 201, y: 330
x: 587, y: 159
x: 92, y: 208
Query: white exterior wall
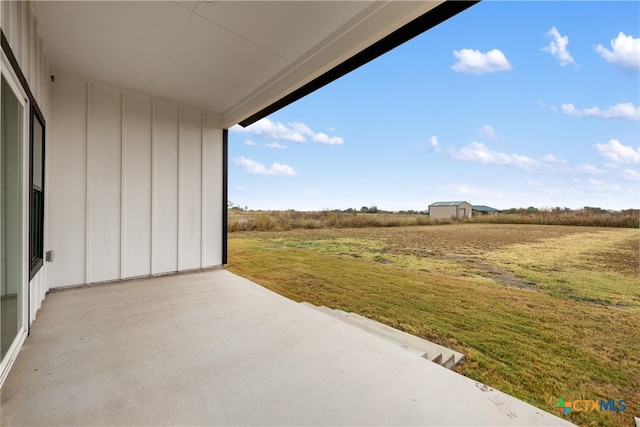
x: 465, y: 210
x: 20, y: 27
x: 137, y: 185
x: 451, y: 211
x: 442, y: 211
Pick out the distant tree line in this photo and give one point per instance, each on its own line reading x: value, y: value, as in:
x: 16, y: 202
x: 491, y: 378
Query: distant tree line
x: 586, y: 216
x: 587, y: 210
x: 243, y: 219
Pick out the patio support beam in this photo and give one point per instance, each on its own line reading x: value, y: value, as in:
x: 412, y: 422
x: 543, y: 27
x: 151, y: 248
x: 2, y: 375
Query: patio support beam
x: 225, y: 185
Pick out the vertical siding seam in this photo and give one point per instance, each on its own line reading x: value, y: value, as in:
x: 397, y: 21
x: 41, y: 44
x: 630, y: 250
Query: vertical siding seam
x: 12, y: 19
x: 30, y: 47
x: 35, y: 66
x: 38, y: 67
x: 20, y: 43
x: 179, y: 227
x: 35, y: 69
x: 36, y: 78
x: 87, y: 272
x: 123, y: 184
x: 202, y: 190
x: 26, y: 58
x: 6, y: 16
x: 33, y: 77
x: 30, y: 23
x: 41, y: 68
x: 17, y: 41
x: 49, y: 216
x: 152, y: 211
x: 33, y: 47
x: 50, y: 161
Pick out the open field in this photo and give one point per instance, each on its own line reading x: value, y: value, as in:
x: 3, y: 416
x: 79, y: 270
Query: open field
x: 541, y: 312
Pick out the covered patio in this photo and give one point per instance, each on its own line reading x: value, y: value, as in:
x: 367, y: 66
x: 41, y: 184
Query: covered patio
x: 115, y: 151
x: 212, y: 348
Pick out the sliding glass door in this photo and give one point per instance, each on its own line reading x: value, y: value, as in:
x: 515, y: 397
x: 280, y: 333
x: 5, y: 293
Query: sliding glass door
x: 12, y: 289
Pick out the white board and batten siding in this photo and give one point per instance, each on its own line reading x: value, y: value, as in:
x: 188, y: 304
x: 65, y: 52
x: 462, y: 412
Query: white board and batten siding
x: 21, y: 30
x: 137, y: 185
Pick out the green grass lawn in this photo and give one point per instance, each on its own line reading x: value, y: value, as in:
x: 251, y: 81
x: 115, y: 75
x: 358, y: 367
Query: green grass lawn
x: 540, y: 312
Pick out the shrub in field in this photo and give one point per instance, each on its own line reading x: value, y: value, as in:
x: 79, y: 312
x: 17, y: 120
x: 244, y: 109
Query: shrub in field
x: 629, y: 218
x: 290, y: 220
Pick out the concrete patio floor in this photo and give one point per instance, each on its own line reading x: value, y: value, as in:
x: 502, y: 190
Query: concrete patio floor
x: 212, y: 348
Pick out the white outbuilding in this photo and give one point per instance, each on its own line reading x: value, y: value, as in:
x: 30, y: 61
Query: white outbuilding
x: 457, y: 209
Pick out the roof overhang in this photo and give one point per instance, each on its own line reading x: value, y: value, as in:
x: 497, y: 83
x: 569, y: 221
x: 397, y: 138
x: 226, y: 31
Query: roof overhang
x: 241, y: 60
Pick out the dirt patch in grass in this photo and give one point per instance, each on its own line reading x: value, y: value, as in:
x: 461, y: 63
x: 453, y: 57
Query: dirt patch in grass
x: 624, y: 257
x: 486, y: 270
x: 506, y: 278
x: 596, y: 266
x: 429, y: 240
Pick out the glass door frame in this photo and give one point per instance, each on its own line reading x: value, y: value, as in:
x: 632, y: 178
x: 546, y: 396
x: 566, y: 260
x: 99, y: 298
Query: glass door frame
x: 6, y: 71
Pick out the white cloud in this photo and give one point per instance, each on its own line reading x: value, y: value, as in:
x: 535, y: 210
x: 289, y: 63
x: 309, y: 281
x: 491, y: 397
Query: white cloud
x: 550, y: 107
x: 476, y: 62
x: 479, y: 153
x: 301, y: 128
x: 311, y: 193
x: 631, y: 175
x: 418, y: 145
x: 625, y: 52
x: 323, y: 138
x: 249, y: 143
x: 256, y: 168
x: 294, y: 132
x: 470, y: 190
x: 600, y: 185
x: 615, y: 151
x: 434, y: 144
x: 550, y: 158
x: 533, y: 183
x: 276, y: 146
x: 487, y: 131
x: 280, y: 169
x: 268, y: 129
x: 624, y: 110
x: 558, y: 47
x: 588, y: 169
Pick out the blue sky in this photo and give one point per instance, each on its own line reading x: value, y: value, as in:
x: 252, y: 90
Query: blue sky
x: 508, y: 104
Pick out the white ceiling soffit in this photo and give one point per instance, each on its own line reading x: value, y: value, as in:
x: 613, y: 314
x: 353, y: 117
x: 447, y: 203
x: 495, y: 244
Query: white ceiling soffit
x: 233, y: 58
